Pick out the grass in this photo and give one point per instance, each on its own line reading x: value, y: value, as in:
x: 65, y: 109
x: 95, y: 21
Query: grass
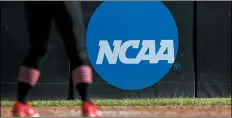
x: 131, y: 102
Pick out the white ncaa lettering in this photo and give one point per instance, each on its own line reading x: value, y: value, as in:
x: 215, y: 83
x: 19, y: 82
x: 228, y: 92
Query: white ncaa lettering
x: 119, y: 51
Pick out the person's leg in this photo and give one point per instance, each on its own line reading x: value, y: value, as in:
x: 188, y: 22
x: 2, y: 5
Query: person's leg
x: 81, y: 72
x: 78, y: 65
x: 38, y: 21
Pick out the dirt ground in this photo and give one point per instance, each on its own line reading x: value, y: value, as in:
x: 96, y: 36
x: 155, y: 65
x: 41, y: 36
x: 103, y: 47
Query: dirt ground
x: 134, y: 111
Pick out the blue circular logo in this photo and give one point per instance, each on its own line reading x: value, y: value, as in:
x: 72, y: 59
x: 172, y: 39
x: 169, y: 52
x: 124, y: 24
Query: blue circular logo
x: 132, y: 45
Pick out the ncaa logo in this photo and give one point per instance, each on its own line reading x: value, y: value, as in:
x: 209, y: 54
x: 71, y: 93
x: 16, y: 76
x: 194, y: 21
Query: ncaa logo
x: 132, y: 45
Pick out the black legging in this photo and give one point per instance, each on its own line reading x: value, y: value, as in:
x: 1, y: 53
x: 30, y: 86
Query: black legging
x: 39, y: 16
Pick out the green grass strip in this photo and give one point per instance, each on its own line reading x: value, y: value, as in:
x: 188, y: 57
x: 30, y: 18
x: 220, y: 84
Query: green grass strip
x: 131, y: 102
